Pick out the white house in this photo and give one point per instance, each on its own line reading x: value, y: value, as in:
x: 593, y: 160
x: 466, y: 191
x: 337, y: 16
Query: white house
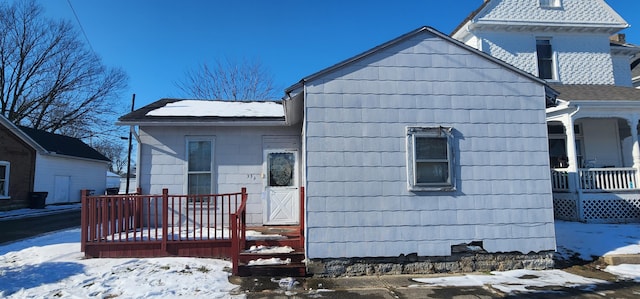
x: 35, y: 160
x: 593, y: 129
x: 411, y: 148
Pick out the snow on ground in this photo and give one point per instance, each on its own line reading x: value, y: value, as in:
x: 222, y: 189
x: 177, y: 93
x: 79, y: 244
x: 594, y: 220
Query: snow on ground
x: 515, y: 280
x: 574, y: 240
x: 588, y: 240
x: 52, y: 266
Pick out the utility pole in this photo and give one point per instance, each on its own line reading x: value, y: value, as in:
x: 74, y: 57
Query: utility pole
x: 133, y: 103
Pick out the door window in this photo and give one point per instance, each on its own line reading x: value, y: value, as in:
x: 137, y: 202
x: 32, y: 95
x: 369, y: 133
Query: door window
x: 281, y: 169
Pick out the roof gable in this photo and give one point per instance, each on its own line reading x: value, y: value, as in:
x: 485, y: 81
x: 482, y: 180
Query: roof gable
x: 505, y: 14
x: 50, y: 143
x: 420, y: 31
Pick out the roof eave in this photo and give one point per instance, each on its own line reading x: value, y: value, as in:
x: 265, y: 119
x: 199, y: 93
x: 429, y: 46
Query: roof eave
x: 514, y: 25
x: 203, y: 123
x: 54, y: 154
x: 22, y: 135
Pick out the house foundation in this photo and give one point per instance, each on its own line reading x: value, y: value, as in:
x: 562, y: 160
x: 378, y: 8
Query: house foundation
x: 414, y: 264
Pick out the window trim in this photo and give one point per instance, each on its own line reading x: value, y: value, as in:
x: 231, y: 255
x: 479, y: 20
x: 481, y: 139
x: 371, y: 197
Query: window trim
x: 7, y: 173
x: 212, y: 166
x: 550, y: 3
x: 429, y: 132
x: 552, y: 58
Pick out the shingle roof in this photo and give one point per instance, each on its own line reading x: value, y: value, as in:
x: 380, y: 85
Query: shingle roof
x: 143, y: 115
x: 63, y: 145
x: 597, y: 93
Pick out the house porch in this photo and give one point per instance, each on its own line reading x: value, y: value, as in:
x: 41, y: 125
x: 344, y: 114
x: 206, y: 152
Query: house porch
x: 211, y: 226
x: 595, y: 162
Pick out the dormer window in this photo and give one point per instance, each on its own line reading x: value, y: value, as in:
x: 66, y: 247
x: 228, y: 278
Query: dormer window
x: 546, y: 65
x: 550, y: 3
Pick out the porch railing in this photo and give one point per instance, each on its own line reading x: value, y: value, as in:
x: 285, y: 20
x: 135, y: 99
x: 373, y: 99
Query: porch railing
x: 239, y: 230
x: 161, y: 219
x: 594, y: 179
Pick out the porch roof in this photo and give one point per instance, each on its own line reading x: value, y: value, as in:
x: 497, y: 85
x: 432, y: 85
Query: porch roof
x: 597, y: 93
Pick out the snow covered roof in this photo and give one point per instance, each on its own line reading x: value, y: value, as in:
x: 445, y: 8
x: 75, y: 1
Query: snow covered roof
x: 219, y: 109
x: 193, y: 112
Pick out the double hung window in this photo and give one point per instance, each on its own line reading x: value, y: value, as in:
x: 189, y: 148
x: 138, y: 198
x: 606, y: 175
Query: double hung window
x: 430, y: 159
x: 546, y: 66
x: 199, y: 166
x: 4, y: 179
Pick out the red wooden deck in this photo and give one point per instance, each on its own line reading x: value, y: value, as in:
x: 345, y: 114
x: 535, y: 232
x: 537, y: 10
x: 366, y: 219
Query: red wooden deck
x: 133, y: 225
x: 158, y: 225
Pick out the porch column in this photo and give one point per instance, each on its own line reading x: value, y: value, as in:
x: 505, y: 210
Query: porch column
x: 635, y: 151
x: 572, y: 158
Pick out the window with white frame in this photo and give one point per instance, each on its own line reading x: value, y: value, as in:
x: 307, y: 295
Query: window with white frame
x: 199, y: 165
x: 550, y: 3
x: 546, y: 65
x: 430, y: 159
x: 4, y: 179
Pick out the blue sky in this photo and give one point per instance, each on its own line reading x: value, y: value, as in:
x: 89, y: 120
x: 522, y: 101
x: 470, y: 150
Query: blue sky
x: 155, y: 42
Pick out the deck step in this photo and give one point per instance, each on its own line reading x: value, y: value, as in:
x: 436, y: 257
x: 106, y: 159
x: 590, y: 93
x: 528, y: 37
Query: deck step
x: 291, y: 242
x: 292, y: 269
x: 296, y: 257
x: 288, y: 236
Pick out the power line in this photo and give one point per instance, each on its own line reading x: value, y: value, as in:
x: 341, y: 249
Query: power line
x: 81, y: 28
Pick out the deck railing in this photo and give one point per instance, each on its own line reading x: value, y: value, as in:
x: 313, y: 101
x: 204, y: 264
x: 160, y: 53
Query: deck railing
x: 594, y: 179
x: 157, y: 219
x: 238, y: 233
x: 239, y: 230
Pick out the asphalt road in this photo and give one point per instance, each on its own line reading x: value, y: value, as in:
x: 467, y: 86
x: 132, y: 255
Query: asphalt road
x: 17, y: 229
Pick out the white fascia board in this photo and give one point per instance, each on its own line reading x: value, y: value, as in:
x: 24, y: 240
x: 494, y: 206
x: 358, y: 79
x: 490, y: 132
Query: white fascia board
x: 56, y: 155
x: 275, y: 123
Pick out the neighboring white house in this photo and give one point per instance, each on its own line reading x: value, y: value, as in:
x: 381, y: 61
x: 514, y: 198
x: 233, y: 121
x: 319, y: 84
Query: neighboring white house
x: 40, y: 161
x: 593, y: 129
x: 410, y: 148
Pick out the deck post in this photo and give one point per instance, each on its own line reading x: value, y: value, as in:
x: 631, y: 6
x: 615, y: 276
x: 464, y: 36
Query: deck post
x: 243, y: 223
x: 83, y: 219
x: 235, y: 248
x: 302, y: 218
x: 165, y: 218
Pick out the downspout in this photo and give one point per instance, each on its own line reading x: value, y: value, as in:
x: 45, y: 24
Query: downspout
x: 578, y: 180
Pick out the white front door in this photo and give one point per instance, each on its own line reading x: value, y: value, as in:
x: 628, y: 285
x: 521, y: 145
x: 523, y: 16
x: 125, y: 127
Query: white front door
x: 281, y: 198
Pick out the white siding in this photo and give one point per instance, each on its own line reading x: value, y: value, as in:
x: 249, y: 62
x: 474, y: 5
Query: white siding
x: 578, y: 56
x: 237, y: 160
x: 593, y: 12
x: 622, y: 70
x: 81, y: 174
x: 357, y: 199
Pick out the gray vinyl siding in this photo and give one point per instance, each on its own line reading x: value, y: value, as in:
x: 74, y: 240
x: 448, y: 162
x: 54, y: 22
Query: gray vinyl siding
x: 238, y: 160
x: 358, y: 203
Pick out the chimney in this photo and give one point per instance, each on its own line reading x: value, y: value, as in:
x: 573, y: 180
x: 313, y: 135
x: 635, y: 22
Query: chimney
x: 619, y: 38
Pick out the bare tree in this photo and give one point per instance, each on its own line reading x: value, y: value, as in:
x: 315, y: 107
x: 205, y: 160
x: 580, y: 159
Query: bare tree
x: 234, y: 80
x: 49, y: 80
x: 116, y: 152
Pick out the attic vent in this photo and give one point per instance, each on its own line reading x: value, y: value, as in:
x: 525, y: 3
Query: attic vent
x: 471, y: 247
